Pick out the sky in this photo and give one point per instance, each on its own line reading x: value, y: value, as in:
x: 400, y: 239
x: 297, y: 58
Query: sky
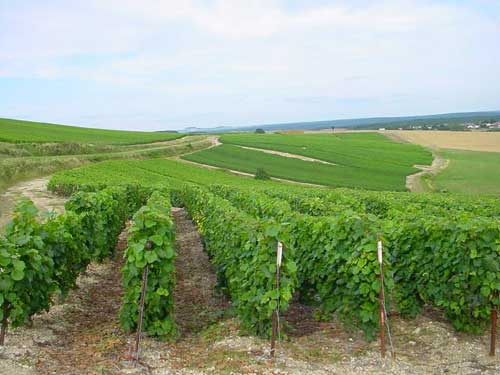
x: 152, y: 65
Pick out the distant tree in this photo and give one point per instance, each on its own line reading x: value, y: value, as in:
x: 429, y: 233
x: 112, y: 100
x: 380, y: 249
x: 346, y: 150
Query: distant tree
x: 260, y: 131
x: 261, y: 174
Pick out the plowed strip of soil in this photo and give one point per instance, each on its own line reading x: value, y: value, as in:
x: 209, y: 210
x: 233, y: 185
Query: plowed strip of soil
x: 197, y: 304
x: 90, y: 341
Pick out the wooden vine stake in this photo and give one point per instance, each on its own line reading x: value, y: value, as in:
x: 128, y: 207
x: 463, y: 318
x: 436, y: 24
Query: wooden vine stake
x: 494, y: 326
x: 381, y: 299
x: 5, y: 323
x: 144, y: 287
x: 279, y: 256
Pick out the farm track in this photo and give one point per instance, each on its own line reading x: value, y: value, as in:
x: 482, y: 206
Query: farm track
x: 415, y: 183
x: 286, y: 155
x: 36, y: 190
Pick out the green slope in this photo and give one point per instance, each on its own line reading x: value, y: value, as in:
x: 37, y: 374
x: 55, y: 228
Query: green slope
x: 363, y: 160
x: 27, y: 131
x: 150, y: 172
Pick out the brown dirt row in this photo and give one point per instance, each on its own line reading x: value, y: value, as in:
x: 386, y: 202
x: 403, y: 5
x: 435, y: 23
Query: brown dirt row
x: 82, y: 335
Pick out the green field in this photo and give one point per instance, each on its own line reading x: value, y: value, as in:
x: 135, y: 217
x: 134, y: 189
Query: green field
x: 27, y: 131
x: 363, y: 160
x: 358, y: 150
x: 150, y: 173
x: 21, y: 161
x: 470, y: 172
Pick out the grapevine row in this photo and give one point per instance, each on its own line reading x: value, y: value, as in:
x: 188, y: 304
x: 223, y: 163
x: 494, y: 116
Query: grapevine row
x: 243, y: 251
x: 151, y: 244
x: 451, y: 263
x: 39, y: 259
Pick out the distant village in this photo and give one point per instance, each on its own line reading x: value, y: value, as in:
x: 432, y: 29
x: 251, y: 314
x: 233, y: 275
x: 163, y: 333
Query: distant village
x: 472, y: 126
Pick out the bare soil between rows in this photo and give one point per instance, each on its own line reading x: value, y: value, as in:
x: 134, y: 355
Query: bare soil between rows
x: 82, y: 335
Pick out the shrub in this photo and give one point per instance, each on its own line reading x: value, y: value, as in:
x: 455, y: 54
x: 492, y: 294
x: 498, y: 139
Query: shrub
x: 261, y: 174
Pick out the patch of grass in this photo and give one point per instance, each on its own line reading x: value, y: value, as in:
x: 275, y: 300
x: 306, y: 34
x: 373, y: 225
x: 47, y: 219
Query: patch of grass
x: 469, y: 172
x: 27, y: 131
x: 315, y: 353
x: 224, y: 361
x: 216, y: 332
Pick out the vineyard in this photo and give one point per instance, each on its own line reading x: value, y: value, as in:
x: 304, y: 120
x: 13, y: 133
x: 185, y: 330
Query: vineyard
x: 249, y: 187
x: 439, y: 251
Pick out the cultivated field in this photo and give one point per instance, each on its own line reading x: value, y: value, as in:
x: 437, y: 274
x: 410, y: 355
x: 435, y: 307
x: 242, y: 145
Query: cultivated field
x: 471, y: 160
x: 37, y: 149
x: 27, y: 131
x: 361, y: 160
x: 472, y: 141
x: 155, y: 172
x: 73, y: 282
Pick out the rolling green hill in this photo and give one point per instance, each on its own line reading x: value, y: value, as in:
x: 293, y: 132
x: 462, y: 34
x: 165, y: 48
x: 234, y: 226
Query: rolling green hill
x: 26, y: 131
x: 362, y: 160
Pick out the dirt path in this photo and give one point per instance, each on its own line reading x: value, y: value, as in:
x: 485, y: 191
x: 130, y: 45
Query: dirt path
x: 415, y: 183
x: 196, y: 300
x: 286, y: 155
x: 186, y: 139
x: 36, y: 190
x: 89, y: 341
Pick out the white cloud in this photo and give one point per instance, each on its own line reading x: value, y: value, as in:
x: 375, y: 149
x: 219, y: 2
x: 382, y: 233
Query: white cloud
x: 264, y: 51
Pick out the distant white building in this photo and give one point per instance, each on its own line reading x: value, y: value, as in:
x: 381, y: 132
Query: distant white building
x: 472, y: 126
